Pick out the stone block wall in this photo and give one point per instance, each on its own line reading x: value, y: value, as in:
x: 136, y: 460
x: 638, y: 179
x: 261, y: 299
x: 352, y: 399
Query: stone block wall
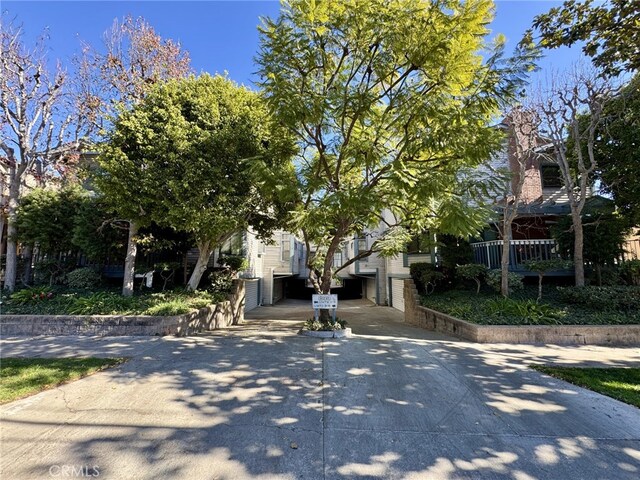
x: 220, y: 315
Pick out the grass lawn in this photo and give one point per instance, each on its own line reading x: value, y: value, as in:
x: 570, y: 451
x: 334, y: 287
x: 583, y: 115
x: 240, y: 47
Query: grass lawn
x: 592, y: 306
x: 620, y: 383
x: 21, y: 377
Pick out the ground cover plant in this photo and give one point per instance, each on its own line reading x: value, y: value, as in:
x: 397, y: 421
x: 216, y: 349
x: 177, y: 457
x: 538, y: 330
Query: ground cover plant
x: 59, y: 301
x: 20, y: 377
x: 560, y: 306
x: 620, y: 383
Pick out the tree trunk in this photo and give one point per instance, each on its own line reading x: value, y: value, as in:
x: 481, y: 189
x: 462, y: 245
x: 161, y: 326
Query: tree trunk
x: 540, y: 275
x: 11, y: 269
x: 201, y: 265
x: 578, y: 249
x: 598, y: 274
x: 28, y: 259
x: 130, y: 260
x: 504, y: 261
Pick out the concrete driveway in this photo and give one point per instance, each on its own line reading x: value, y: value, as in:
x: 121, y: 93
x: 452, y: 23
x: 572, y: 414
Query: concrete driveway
x: 258, y: 401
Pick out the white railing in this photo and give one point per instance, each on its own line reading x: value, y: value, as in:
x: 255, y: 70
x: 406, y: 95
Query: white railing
x: 490, y: 253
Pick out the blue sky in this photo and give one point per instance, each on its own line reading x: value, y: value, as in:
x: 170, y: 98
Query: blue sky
x: 219, y: 35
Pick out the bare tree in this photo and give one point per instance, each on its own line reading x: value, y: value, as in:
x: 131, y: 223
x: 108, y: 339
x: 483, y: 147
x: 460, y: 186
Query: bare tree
x: 522, y: 125
x: 37, y: 118
x: 134, y: 58
x: 571, y: 111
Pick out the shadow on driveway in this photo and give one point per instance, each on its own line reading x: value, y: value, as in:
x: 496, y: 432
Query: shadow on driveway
x: 259, y: 401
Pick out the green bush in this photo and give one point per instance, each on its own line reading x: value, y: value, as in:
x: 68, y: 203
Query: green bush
x: 104, y: 303
x: 472, y: 271
x: 528, y: 310
x: 494, y: 279
x: 425, y: 276
x: 221, y: 281
x: 626, y: 299
x: 83, y: 279
x: 317, y: 326
x: 630, y: 272
x: 32, y: 295
x: 235, y: 263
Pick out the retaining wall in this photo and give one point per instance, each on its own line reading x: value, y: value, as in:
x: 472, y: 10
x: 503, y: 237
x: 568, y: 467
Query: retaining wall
x: 423, y: 317
x: 223, y: 314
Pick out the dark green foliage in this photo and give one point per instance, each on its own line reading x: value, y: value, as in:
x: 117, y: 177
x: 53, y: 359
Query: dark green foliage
x: 544, y: 266
x: 624, y: 299
x: 221, y: 280
x: 604, y: 234
x: 494, y: 279
x: 541, y: 267
x: 61, y: 302
x: 46, y: 219
x: 608, y: 30
x: 32, y: 295
x: 472, y: 271
x: 522, y: 308
x: 96, y: 233
x: 617, y: 150
x: 235, y: 263
x: 426, y: 276
x: 453, y: 251
x: 630, y: 272
x: 83, y: 279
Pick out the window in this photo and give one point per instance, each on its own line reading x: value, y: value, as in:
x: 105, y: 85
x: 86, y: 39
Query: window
x: 420, y: 244
x: 285, y: 247
x: 337, y: 260
x: 233, y: 246
x: 551, y: 176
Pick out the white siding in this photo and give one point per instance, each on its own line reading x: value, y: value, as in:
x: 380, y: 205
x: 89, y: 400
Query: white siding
x: 397, y: 293
x: 251, y: 294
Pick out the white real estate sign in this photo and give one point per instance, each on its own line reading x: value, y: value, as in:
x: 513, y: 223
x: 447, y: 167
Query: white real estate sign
x: 324, y: 302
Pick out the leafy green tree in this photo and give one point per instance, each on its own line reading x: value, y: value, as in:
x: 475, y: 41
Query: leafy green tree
x: 604, y: 235
x: 617, y: 149
x: 391, y: 104
x: 542, y: 267
x: 46, y: 219
x: 472, y: 271
x: 183, y: 158
x: 94, y: 232
x: 608, y: 29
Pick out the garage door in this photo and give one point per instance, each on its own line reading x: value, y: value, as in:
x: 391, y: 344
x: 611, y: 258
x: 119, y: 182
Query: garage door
x: 397, y: 293
x: 251, y: 294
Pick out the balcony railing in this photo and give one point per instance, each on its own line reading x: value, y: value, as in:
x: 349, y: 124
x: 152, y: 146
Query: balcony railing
x: 490, y: 253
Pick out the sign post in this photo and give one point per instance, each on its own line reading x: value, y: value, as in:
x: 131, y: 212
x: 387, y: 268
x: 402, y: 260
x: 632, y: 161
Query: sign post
x: 324, y: 302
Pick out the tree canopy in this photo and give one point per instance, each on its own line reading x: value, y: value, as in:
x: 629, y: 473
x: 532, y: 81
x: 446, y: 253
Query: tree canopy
x: 183, y: 158
x: 617, y: 149
x: 391, y: 104
x: 608, y: 29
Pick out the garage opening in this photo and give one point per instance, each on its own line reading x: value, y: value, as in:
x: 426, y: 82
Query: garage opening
x: 351, y: 289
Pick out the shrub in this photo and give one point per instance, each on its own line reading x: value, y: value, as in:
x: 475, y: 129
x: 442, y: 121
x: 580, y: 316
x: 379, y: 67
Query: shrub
x: 494, y: 279
x: 221, y: 281
x: 529, y: 310
x: 603, y: 298
x: 83, y: 279
x: 235, y: 263
x: 472, y: 271
x: 103, y: 303
x: 32, y: 295
x: 630, y: 272
x: 543, y: 266
x: 317, y: 326
x: 425, y: 276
